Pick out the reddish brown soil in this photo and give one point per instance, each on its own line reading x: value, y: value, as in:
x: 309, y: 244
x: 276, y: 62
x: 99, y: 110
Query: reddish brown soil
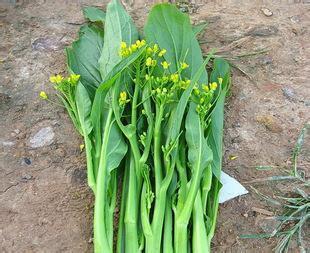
x: 45, y: 204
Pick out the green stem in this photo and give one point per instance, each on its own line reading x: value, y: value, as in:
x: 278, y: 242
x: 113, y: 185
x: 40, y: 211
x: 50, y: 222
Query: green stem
x: 160, y: 208
x: 157, y: 147
x: 147, y: 230
x: 168, y: 242
x: 200, y: 244
x: 111, y: 208
x: 206, y: 186
x: 101, y: 242
x: 215, y: 206
x: 120, y: 232
x: 90, y: 168
x: 180, y: 238
x: 184, y: 214
x: 130, y: 220
x: 133, y: 139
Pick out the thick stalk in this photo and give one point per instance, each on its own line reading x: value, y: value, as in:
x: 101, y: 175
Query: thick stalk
x: 180, y: 238
x: 215, y: 206
x: 101, y: 242
x: 133, y: 139
x: 183, y: 215
x: 130, y: 220
x: 206, y: 186
x: 111, y: 208
x: 168, y: 240
x: 135, y: 183
x: 120, y: 233
x: 200, y: 242
x: 90, y: 167
x: 160, y: 207
x: 147, y: 230
x: 157, y: 147
x: 154, y: 241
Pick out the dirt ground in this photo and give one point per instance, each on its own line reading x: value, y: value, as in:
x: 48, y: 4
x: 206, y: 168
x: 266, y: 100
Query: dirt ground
x: 45, y: 204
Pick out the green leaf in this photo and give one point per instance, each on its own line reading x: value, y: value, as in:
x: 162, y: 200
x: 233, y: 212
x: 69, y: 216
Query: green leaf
x: 215, y: 135
x: 94, y: 14
x: 116, y: 148
x: 176, y: 120
x: 101, y: 93
x: 221, y: 69
x: 199, y: 156
x: 171, y: 29
x: 84, y: 105
x: 199, y: 153
x: 119, y: 68
x: 118, y: 27
x: 83, y: 56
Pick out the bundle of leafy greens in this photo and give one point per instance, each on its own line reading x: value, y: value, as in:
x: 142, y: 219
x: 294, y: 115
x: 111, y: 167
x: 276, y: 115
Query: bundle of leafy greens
x: 152, y: 122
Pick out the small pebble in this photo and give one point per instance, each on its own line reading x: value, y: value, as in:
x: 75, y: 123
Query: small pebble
x: 26, y: 161
x: 288, y: 93
x: 44, y: 137
x: 26, y: 177
x: 295, y: 19
x: 8, y: 143
x: 263, y: 31
x: 267, y: 12
x: 17, y: 131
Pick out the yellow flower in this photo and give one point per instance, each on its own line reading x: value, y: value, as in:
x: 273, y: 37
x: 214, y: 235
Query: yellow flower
x: 123, y: 98
x: 154, y: 62
x: 174, y: 78
x: 165, y: 64
x: 165, y: 79
x: 143, y: 42
x: 196, y: 91
x: 220, y: 79
x: 185, y: 84
x: 138, y: 43
x: 123, y: 95
x: 213, y: 86
x: 74, y: 78
x: 43, y: 95
x: 206, y: 88
x: 162, y: 52
x: 125, y: 52
x: 134, y: 47
x: 82, y: 147
x: 149, y: 51
x: 123, y: 45
x: 155, y: 48
x: 56, y: 79
x: 148, y: 62
x: 184, y: 65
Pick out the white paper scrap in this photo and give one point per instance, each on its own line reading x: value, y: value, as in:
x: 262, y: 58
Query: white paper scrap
x: 231, y: 188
